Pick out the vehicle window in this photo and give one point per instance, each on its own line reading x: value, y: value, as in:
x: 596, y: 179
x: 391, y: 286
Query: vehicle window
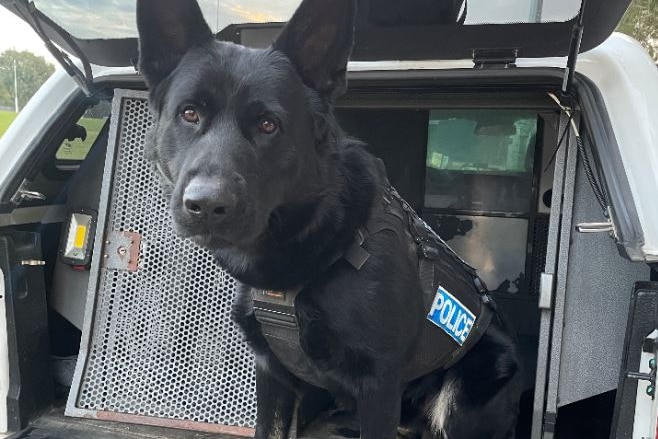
x: 218, y: 14
x: 83, y: 134
x: 471, y: 12
x: 481, y: 160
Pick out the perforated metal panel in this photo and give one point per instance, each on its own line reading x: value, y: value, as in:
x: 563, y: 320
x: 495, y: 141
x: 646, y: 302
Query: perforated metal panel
x: 158, y: 342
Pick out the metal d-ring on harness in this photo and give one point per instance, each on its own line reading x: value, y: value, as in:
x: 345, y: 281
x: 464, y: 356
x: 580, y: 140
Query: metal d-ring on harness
x: 276, y: 313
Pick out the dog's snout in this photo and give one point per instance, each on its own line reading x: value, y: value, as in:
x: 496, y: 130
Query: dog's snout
x: 207, y: 199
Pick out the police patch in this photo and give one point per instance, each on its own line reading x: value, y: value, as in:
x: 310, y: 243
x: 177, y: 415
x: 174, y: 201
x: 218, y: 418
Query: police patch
x: 451, y: 315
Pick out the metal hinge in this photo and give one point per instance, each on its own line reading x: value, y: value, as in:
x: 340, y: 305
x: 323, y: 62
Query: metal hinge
x: 495, y: 58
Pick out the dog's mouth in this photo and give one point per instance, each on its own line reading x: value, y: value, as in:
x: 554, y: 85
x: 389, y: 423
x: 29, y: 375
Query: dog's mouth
x: 207, y: 240
x: 236, y: 231
x: 203, y: 238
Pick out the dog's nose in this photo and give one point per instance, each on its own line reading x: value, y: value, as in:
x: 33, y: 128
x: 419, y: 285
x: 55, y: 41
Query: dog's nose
x: 204, y: 198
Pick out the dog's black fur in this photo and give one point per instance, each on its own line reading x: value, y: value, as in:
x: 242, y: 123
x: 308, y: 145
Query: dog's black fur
x: 252, y: 134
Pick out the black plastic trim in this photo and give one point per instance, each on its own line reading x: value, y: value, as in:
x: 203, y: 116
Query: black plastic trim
x: 30, y: 379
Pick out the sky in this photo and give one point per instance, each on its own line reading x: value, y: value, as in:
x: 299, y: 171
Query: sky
x: 102, y: 18
x: 15, y: 34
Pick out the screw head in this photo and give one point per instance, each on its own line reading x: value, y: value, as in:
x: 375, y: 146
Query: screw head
x: 650, y: 390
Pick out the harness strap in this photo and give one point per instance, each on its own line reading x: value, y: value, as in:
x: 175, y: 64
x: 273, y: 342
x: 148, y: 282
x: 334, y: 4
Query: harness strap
x: 276, y: 313
x: 275, y: 310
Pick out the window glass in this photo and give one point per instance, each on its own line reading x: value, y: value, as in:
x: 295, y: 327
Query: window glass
x: 91, y: 19
x: 471, y: 12
x: 481, y: 160
x: 106, y: 19
x: 495, y: 246
x: 83, y: 134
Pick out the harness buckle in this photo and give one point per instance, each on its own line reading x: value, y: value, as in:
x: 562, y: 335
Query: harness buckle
x: 429, y: 251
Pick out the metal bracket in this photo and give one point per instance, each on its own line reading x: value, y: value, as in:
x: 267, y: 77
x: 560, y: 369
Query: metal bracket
x: 122, y: 250
x: 650, y: 345
x: 33, y: 263
x: 23, y: 194
x: 598, y: 227
x: 604, y: 227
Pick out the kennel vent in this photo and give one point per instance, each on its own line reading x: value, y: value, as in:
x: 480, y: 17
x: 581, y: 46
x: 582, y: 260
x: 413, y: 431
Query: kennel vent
x: 158, y: 343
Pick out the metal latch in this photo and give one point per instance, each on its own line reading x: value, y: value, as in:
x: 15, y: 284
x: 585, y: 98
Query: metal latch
x: 122, y: 250
x: 649, y: 346
x: 495, y: 58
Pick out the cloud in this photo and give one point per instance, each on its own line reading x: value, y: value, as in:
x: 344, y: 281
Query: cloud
x: 89, y: 19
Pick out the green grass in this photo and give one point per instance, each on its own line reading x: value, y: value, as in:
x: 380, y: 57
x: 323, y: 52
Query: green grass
x: 77, y: 150
x: 6, y: 118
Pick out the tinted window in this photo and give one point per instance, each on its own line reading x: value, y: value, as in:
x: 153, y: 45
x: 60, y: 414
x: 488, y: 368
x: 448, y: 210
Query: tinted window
x: 481, y: 160
x: 81, y: 137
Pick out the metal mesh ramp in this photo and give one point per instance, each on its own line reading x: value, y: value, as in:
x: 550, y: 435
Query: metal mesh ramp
x: 158, y: 344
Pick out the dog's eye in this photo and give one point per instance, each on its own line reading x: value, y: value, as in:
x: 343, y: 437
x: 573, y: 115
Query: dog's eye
x: 267, y: 125
x: 190, y: 115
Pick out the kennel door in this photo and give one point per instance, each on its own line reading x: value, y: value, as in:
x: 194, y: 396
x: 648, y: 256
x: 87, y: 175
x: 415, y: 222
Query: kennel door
x: 158, y: 344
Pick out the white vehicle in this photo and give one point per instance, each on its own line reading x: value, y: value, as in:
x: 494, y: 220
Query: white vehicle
x: 523, y: 131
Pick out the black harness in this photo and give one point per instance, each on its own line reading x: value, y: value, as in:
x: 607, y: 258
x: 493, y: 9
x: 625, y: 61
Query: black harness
x: 276, y: 313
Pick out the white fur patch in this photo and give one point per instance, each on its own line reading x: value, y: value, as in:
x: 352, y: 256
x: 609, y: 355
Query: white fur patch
x: 277, y: 427
x: 441, y: 408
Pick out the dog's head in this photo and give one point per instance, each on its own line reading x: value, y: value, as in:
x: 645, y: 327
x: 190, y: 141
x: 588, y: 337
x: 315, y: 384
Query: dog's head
x: 240, y: 132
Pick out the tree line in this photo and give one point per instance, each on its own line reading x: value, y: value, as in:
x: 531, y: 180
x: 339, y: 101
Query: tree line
x: 641, y: 22
x: 31, y: 72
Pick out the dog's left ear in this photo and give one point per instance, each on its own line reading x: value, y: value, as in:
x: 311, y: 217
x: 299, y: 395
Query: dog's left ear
x: 318, y: 40
x: 167, y: 30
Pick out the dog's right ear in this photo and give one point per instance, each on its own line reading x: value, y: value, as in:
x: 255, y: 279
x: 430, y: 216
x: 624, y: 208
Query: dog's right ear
x: 167, y: 30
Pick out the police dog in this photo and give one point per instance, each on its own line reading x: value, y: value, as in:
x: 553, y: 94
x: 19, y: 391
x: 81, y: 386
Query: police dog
x: 258, y: 171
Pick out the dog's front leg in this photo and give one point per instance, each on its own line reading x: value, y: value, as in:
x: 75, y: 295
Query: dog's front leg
x: 379, y: 410
x: 276, y: 406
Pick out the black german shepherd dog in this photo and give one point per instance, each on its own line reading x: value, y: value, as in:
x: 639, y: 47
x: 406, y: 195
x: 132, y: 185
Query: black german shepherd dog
x: 258, y: 171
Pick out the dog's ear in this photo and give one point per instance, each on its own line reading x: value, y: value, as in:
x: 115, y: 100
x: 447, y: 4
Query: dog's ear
x: 318, y: 40
x: 167, y: 30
